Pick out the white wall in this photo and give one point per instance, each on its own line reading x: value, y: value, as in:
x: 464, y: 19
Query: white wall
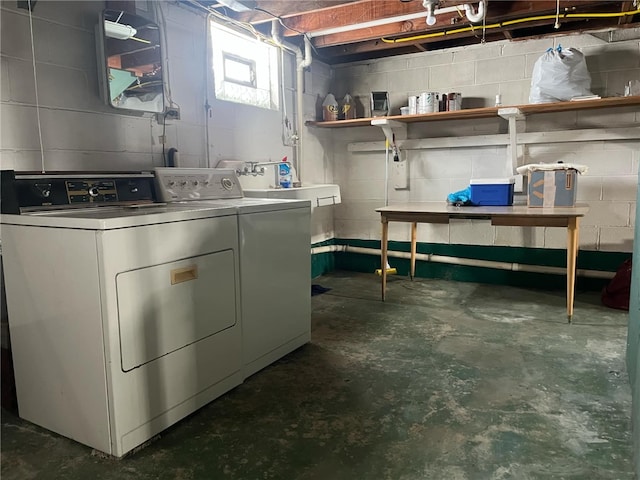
x: 480, y: 72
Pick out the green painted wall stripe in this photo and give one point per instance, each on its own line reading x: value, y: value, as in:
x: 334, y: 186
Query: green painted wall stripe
x: 604, y: 261
x: 588, y: 260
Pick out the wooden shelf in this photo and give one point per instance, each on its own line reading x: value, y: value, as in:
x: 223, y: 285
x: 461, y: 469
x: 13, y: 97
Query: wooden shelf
x: 472, y: 113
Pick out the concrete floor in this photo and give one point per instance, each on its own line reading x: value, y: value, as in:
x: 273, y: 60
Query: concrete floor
x: 443, y: 381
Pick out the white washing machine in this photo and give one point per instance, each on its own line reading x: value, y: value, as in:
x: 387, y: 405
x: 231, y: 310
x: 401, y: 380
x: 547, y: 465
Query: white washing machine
x: 124, y: 315
x: 275, y: 263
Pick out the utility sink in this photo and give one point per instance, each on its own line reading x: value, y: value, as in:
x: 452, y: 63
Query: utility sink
x: 320, y: 195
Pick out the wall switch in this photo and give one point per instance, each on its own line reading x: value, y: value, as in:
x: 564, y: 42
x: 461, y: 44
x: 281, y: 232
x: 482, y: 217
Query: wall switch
x: 400, y: 175
x: 518, y: 186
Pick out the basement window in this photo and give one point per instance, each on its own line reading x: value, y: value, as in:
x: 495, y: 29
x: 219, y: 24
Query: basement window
x: 245, y: 70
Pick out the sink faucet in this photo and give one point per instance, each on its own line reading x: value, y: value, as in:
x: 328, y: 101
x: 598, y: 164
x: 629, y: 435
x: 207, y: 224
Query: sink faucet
x: 258, y: 168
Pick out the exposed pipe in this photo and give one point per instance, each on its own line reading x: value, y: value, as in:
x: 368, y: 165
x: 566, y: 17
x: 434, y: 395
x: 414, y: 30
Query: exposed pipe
x: 287, y: 133
x: 275, y: 33
x: 507, y: 23
x: 302, y: 62
x: 386, y: 21
x: 472, y: 16
x: 468, y: 262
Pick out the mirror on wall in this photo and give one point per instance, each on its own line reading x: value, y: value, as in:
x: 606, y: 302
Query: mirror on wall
x: 131, y: 62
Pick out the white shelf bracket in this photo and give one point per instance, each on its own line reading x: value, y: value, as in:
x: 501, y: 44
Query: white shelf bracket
x: 512, y: 115
x: 391, y: 128
x: 394, y: 130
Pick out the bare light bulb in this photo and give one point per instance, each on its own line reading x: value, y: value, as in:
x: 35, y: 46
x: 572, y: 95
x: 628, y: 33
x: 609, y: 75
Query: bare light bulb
x: 431, y: 20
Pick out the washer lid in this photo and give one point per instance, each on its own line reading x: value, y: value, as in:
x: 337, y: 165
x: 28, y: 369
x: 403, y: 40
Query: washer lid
x: 107, y: 218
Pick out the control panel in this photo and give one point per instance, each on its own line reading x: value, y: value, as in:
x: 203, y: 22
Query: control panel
x: 184, y: 184
x: 89, y: 191
x: 26, y: 191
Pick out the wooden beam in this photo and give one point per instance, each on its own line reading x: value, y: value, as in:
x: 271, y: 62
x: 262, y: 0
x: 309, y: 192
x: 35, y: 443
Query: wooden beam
x: 408, y: 27
x: 502, y: 12
x: 351, y: 14
x: 267, y: 9
x: 444, y: 21
x: 378, y: 45
x: 626, y: 7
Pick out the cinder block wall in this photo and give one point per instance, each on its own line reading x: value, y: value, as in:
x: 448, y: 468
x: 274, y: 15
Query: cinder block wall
x: 80, y: 132
x: 480, y: 72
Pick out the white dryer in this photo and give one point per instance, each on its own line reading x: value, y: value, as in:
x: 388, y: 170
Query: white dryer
x: 275, y: 263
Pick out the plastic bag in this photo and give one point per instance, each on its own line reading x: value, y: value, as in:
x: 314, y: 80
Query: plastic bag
x: 559, y: 75
x: 461, y: 197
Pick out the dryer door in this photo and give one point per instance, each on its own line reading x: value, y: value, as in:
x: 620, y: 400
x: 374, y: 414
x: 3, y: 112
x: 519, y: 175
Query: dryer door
x: 166, y: 307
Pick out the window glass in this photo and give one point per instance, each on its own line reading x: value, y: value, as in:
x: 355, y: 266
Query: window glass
x: 245, y: 70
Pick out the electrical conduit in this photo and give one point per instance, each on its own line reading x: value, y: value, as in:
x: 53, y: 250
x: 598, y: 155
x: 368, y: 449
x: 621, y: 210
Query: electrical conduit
x: 509, y: 22
x: 302, y: 61
x: 301, y: 64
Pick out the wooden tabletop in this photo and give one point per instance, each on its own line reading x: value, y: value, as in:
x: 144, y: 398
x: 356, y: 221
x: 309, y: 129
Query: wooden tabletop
x: 445, y: 210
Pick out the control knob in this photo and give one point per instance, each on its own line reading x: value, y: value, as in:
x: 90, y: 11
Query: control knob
x: 94, y: 191
x: 227, y: 183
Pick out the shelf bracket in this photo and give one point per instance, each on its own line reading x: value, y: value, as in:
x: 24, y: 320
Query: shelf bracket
x: 512, y: 115
x: 392, y: 131
x: 391, y: 127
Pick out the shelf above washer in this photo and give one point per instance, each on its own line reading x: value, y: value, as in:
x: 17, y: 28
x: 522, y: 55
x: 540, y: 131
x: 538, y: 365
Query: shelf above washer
x: 488, y: 112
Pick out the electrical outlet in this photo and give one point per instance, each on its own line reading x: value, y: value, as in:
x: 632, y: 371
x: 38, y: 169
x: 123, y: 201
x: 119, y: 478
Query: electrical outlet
x: 519, y: 186
x: 172, y: 113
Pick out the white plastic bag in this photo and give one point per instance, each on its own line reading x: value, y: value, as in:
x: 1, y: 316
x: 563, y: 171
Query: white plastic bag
x: 559, y: 75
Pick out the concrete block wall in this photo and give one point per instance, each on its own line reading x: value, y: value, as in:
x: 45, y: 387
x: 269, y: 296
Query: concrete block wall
x: 480, y: 72
x: 80, y: 132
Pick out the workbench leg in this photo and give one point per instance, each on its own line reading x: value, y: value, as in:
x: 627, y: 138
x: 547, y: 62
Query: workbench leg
x: 383, y: 260
x: 414, y: 238
x: 572, y: 255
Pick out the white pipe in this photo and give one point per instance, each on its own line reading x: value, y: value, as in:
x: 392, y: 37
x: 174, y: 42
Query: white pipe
x: 385, y: 21
x: 301, y: 64
x: 469, y: 262
x: 378, y: 22
x: 275, y: 32
x: 474, y: 17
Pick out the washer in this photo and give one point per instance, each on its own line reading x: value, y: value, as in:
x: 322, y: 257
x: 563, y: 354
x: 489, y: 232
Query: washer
x: 275, y: 262
x: 124, y: 314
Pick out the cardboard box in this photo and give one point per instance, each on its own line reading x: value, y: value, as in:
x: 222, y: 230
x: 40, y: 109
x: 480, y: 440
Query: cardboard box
x: 492, y: 191
x: 552, y: 188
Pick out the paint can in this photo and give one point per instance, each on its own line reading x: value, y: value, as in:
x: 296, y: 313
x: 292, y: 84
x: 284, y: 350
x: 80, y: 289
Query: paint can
x: 413, y: 104
x: 454, y: 101
x: 428, y: 102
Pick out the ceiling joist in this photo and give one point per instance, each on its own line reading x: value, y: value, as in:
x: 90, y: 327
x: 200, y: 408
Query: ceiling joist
x: 366, y: 26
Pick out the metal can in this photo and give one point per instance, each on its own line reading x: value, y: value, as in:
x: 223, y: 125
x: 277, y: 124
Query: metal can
x: 413, y: 104
x: 454, y: 101
x: 428, y: 102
